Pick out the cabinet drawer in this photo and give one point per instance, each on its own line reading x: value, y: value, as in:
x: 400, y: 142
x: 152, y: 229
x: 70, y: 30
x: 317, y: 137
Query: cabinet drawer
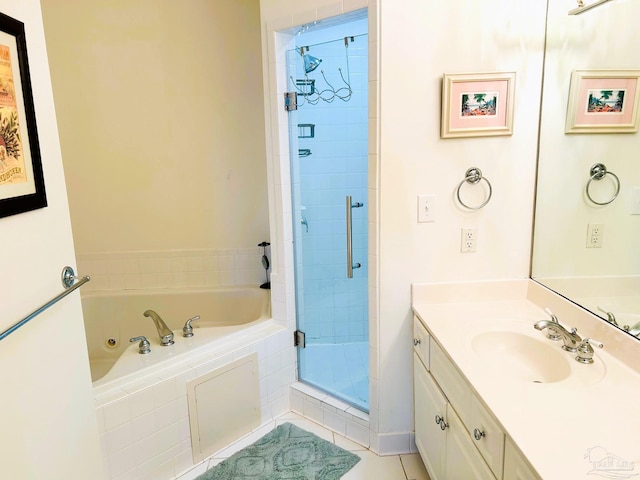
x: 421, y: 341
x: 452, y: 383
x: 487, y: 436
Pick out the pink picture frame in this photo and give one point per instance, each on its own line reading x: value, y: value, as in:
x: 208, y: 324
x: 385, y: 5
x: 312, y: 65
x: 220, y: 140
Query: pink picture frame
x: 477, y: 104
x: 603, y: 101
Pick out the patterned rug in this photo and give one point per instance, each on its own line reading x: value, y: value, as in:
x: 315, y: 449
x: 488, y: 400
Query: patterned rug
x: 288, y: 452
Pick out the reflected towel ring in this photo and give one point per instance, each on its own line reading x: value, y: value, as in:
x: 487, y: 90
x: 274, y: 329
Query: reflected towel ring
x: 473, y: 176
x: 598, y: 172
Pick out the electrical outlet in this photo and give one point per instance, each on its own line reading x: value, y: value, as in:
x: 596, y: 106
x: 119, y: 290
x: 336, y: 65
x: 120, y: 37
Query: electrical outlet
x: 595, y: 233
x: 426, y: 208
x: 469, y: 240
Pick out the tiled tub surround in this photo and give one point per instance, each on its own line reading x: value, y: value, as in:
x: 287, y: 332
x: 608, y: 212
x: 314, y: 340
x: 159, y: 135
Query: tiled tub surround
x: 172, y: 268
x: 143, y: 420
x: 554, y: 425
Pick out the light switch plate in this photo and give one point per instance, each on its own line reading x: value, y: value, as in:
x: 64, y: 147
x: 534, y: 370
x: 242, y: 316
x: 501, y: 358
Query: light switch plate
x: 426, y: 208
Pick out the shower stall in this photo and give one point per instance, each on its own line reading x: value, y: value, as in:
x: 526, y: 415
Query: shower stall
x: 328, y: 126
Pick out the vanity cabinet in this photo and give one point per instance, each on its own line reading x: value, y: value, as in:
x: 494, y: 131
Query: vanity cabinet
x: 515, y: 466
x: 455, y: 434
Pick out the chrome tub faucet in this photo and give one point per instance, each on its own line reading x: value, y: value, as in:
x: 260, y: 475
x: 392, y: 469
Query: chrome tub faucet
x: 166, y: 335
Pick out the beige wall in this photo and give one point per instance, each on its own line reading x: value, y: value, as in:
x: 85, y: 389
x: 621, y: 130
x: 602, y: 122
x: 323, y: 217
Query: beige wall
x: 161, y: 122
x: 436, y: 38
x: 49, y: 427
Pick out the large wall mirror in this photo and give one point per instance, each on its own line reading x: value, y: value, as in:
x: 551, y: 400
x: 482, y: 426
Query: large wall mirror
x: 587, y: 249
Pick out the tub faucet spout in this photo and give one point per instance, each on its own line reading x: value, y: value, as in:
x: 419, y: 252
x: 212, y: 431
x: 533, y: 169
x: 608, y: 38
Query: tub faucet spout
x: 166, y: 335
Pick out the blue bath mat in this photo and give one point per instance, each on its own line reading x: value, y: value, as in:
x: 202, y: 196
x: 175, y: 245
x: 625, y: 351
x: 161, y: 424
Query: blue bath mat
x: 285, y: 453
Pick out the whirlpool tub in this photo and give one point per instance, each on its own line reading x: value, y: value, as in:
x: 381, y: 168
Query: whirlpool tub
x: 113, y: 318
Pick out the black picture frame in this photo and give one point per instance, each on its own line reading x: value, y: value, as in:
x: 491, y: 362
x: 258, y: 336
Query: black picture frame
x: 18, y: 134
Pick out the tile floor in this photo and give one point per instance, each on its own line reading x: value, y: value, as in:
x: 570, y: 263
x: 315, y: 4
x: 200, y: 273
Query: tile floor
x: 370, y: 467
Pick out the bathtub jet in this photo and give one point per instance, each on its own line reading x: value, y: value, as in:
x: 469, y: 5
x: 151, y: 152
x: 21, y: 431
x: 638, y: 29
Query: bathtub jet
x: 166, y: 335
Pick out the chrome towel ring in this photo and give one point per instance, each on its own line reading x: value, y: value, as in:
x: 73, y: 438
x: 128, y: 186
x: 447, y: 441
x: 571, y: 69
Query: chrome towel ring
x: 598, y: 172
x: 473, y: 176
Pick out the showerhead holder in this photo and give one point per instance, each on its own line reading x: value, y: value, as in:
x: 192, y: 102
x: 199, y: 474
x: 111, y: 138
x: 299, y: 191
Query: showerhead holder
x: 265, y: 265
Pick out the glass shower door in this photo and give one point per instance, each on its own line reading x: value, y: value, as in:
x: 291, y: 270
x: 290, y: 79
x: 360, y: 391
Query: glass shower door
x: 329, y: 203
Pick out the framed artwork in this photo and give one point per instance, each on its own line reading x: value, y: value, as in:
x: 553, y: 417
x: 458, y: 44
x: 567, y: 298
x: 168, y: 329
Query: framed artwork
x: 603, y: 101
x: 21, y: 179
x: 477, y: 104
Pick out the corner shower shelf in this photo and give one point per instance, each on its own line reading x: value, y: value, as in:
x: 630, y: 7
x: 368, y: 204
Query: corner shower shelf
x: 306, y: 130
x: 306, y: 86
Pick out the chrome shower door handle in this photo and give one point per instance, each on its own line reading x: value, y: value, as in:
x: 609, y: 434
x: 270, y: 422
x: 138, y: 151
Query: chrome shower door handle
x: 350, y: 264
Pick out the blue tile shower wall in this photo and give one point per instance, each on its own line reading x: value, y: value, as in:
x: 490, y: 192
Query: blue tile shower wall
x: 335, y: 308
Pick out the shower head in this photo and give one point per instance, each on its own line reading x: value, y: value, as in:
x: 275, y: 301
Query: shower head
x: 310, y: 63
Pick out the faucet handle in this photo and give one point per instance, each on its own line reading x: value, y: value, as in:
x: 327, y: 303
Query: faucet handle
x: 187, y: 330
x: 585, y: 350
x: 144, y: 346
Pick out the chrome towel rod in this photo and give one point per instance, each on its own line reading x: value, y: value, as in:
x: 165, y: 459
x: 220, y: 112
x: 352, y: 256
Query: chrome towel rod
x: 68, y: 281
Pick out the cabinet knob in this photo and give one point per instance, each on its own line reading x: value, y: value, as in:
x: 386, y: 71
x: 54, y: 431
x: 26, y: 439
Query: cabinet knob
x: 416, y: 342
x: 440, y: 421
x: 478, y: 434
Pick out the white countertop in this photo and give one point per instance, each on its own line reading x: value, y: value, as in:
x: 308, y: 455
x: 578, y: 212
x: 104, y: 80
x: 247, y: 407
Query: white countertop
x: 553, y: 424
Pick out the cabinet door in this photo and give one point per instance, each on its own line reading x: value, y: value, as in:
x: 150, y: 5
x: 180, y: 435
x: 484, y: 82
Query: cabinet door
x: 491, y: 444
x: 464, y: 461
x: 430, y: 438
x: 515, y: 466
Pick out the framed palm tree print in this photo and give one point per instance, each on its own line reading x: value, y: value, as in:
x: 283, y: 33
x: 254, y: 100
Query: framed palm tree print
x: 477, y: 104
x: 603, y: 101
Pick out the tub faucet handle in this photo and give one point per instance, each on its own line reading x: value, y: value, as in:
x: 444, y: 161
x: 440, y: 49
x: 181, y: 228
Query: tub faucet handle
x: 144, y: 345
x: 187, y: 330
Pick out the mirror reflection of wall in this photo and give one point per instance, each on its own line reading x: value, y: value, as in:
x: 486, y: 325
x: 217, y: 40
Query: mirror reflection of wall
x: 605, y: 279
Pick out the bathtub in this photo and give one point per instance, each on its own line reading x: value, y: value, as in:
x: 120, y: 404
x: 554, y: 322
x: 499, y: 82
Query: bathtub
x: 142, y: 402
x: 112, y: 318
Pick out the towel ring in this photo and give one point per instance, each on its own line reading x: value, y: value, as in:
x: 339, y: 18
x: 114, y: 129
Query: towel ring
x: 598, y: 172
x: 473, y: 176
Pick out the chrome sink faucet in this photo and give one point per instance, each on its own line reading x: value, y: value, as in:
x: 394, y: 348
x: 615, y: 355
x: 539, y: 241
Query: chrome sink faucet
x: 166, y: 335
x: 571, y: 339
x: 552, y: 332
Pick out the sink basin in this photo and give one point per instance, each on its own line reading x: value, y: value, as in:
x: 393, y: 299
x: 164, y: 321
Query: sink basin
x: 522, y: 357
